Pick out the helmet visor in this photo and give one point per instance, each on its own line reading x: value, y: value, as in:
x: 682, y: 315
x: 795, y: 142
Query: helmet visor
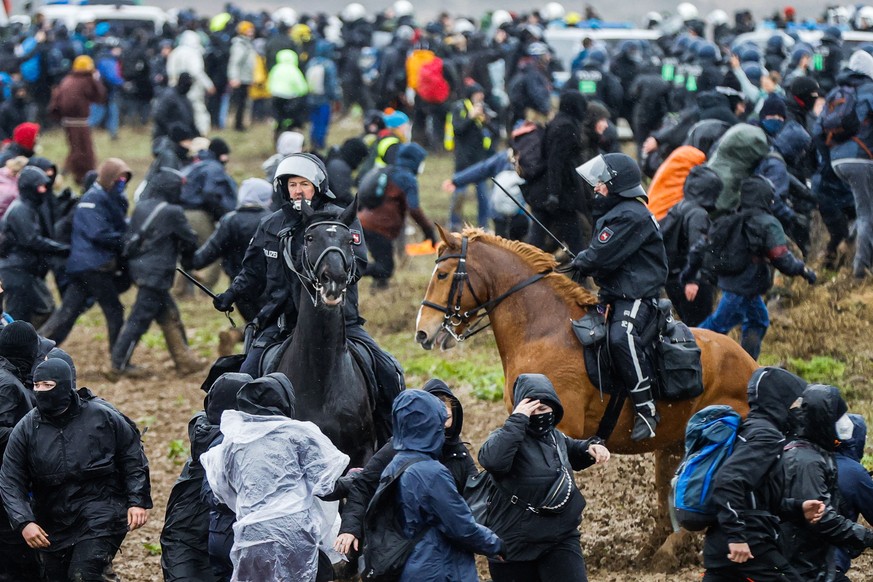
x: 301, y: 166
x: 596, y: 170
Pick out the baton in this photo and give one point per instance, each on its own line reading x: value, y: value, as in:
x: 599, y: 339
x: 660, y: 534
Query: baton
x: 534, y: 218
x: 206, y: 290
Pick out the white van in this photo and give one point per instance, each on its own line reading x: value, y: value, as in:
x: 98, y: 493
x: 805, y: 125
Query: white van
x: 127, y: 17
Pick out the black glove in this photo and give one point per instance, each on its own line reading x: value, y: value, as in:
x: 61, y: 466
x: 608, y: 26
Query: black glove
x: 224, y: 301
x: 566, y: 265
x: 809, y: 275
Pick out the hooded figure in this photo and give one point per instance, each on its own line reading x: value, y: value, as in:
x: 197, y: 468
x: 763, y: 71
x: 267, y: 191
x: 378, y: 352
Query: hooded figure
x: 341, y: 163
x: 288, y: 142
x: 187, y: 57
x: 751, y: 478
x: 811, y: 473
x: 30, y: 246
x: 186, y: 530
x: 527, y: 457
x: 173, y: 107
x: 278, y: 526
x: 428, y: 497
x: 158, y: 237
x: 454, y: 455
x: 854, y: 482
x: 19, y: 346
x: 685, y: 226
x: 41, y: 481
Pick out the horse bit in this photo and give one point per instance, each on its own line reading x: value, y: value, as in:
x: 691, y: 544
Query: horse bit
x: 453, y: 315
x: 307, y: 273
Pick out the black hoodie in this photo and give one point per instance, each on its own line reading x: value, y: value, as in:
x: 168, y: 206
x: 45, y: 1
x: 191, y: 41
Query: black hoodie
x: 168, y: 236
x: 749, y: 487
x: 528, y: 466
x: 270, y: 395
x: 810, y: 473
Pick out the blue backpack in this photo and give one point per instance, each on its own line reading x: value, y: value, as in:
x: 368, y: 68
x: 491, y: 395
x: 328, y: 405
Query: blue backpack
x: 709, y: 440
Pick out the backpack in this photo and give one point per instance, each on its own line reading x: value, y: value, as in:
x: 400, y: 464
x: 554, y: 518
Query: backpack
x: 516, y: 90
x: 671, y: 231
x: 527, y: 144
x: 710, y: 436
x: 839, y: 122
x: 414, y: 63
x: 432, y: 84
x: 315, y: 78
x: 729, y: 251
x: 371, y: 190
x: 386, y: 549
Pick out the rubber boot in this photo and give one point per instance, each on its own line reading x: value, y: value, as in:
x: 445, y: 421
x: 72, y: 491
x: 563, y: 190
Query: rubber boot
x: 227, y: 340
x: 186, y: 361
x: 646, y: 418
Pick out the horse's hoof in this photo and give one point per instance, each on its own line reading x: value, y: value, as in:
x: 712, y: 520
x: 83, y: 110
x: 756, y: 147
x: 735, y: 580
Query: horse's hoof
x: 668, y: 558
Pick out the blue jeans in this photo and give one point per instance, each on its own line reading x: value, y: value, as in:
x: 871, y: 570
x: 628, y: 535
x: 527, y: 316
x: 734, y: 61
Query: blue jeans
x: 734, y: 310
x: 456, y: 220
x: 109, y: 112
x: 319, y: 116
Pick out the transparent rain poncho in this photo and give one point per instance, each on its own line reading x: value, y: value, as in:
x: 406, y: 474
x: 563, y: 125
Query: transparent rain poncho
x: 269, y: 470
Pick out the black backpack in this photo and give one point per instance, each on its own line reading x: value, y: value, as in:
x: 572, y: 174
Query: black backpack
x: 371, y: 190
x: 729, y: 251
x: 527, y: 146
x: 386, y: 549
x: 671, y: 227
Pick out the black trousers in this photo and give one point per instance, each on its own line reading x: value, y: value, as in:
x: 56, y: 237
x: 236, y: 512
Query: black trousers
x: 238, y: 99
x: 628, y: 320
x: 692, y: 313
x: 512, y: 228
x: 150, y: 305
x: 82, y: 562
x: 18, y: 561
x: 382, y: 250
x: 82, y: 286
x: 768, y: 566
x: 562, y: 563
x: 26, y: 296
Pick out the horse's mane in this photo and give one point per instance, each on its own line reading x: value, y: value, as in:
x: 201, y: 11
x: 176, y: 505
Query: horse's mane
x: 538, y: 261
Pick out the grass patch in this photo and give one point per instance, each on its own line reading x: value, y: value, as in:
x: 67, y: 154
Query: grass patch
x: 819, y: 369
x: 178, y: 451
x: 485, y: 381
x: 152, y: 548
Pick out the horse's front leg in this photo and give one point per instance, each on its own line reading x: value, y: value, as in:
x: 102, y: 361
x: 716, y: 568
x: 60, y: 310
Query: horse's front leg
x: 668, y: 556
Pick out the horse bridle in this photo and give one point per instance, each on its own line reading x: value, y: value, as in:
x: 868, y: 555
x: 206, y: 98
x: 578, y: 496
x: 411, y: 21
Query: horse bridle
x: 307, y: 273
x: 454, y: 316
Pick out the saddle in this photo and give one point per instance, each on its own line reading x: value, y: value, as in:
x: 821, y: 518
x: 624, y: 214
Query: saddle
x: 669, y: 344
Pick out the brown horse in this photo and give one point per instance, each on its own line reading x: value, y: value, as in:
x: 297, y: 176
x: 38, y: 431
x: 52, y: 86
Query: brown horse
x: 529, y: 308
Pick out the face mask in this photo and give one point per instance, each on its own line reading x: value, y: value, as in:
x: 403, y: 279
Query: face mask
x: 52, y: 402
x: 119, y: 186
x: 772, y: 126
x: 540, y: 424
x: 845, y: 428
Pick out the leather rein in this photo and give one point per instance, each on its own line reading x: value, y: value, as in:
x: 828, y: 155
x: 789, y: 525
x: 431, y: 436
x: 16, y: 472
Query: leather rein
x: 454, y: 316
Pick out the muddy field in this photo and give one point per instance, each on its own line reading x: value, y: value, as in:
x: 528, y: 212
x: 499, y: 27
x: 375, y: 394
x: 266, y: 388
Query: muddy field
x: 823, y: 333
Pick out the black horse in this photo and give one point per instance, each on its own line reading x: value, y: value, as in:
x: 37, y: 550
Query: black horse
x: 329, y: 384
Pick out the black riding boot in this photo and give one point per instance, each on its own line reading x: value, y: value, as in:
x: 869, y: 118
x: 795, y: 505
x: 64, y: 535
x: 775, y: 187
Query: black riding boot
x: 646, y: 417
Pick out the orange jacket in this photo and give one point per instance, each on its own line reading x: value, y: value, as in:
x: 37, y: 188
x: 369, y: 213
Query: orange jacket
x: 665, y: 191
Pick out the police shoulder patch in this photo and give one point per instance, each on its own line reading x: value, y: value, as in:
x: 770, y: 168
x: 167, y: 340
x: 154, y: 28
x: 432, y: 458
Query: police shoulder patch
x: 605, y: 235
x: 356, y: 237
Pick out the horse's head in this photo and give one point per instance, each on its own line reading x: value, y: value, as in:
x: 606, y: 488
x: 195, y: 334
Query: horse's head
x: 452, y: 303
x: 327, y: 261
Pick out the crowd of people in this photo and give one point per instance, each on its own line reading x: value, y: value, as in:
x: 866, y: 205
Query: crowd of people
x: 745, y: 146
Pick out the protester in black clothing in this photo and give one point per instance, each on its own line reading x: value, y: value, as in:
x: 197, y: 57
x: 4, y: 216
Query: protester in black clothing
x: 31, y: 243
x: 163, y: 240
x: 749, y: 490
x: 342, y: 162
x: 527, y: 456
x: 13, y: 112
x: 187, y: 524
x: 174, y: 108
x: 559, y: 198
x: 627, y: 259
x: 18, y: 352
x: 692, y: 300
x: 811, y: 473
x: 76, y: 525
x: 360, y: 487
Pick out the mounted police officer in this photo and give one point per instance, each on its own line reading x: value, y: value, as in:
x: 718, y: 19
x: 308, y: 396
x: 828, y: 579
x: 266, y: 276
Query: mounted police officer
x: 300, y: 179
x: 626, y: 257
